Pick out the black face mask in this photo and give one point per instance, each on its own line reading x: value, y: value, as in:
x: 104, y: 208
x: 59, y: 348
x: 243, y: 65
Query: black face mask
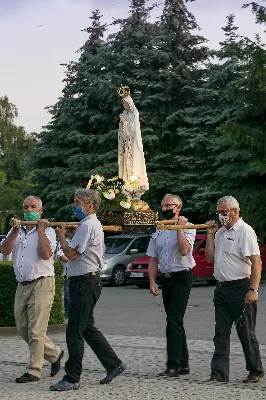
x: 168, y: 214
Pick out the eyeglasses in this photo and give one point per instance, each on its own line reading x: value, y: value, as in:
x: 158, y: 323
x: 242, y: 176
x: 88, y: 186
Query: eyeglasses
x: 167, y: 206
x: 223, y: 212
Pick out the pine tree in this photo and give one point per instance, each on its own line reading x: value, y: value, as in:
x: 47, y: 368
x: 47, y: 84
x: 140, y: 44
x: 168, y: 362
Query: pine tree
x: 163, y: 65
x: 69, y: 145
x: 182, y: 55
x: 247, y: 128
x: 82, y: 136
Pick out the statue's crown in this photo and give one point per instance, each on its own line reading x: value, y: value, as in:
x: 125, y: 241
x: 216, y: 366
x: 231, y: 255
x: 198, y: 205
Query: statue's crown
x: 123, y: 91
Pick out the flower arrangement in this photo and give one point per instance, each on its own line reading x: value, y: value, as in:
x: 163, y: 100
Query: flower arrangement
x: 116, y: 194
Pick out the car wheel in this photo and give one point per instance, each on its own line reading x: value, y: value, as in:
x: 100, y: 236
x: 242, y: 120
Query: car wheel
x: 118, y: 276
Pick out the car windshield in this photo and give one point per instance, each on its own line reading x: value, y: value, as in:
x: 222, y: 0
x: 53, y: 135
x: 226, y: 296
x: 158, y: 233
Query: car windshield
x: 116, y: 245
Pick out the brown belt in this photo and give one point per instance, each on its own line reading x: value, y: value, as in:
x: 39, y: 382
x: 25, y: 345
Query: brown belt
x: 34, y: 280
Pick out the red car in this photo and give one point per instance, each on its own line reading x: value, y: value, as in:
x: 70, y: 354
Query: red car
x: 137, y: 270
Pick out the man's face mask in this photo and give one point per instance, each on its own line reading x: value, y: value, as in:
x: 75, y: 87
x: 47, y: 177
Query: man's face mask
x: 169, y: 214
x: 224, y: 219
x: 78, y: 212
x: 31, y: 216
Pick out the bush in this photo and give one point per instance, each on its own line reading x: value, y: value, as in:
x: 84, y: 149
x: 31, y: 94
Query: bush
x: 8, y: 285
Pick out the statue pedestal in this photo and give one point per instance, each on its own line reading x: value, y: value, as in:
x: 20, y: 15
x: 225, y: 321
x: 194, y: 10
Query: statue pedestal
x: 141, y: 222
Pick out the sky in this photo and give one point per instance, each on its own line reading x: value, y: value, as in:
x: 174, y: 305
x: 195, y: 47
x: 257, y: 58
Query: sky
x: 36, y: 36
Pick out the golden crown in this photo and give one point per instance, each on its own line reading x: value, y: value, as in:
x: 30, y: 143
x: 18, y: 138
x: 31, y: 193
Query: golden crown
x: 123, y: 91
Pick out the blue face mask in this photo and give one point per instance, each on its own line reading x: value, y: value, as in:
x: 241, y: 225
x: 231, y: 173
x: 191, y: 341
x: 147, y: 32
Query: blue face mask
x: 78, y: 212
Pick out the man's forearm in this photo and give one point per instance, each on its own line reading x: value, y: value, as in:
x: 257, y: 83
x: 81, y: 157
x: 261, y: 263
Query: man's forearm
x: 70, y: 253
x: 183, y: 244
x: 44, y: 248
x: 255, y: 272
x: 8, y: 244
x: 209, y: 249
x: 152, y: 269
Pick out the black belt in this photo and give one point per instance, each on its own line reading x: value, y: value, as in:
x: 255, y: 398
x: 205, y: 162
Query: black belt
x: 34, y: 280
x: 175, y: 273
x: 83, y: 277
x: 231, y: 283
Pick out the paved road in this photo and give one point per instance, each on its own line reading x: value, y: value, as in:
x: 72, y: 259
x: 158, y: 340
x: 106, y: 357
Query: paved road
x: 130, y: 311
x: 134, y: 325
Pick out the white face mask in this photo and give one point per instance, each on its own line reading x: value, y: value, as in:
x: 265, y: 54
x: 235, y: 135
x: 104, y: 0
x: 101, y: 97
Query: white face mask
x: 224, y: 219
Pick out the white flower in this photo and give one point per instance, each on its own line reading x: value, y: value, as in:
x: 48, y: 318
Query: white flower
x: 127, y: 194
x: 110, y: 195
x: 99, y: 179
x: 125, y: 204
x: 127, y: 187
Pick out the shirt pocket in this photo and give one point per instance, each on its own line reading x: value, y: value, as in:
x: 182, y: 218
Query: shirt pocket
x: 228, y: 246
x: 96, y: 239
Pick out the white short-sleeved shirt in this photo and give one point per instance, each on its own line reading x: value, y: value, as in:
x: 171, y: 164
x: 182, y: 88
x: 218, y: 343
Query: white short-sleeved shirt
x: 89, y: 242
x: 26, y: 261
x: 164, y: 246
x: 232, y: 248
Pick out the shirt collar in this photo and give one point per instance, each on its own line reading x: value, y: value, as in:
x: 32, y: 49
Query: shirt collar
x: 236, y: 226
x: 91, y: 216
x: 23, y: 228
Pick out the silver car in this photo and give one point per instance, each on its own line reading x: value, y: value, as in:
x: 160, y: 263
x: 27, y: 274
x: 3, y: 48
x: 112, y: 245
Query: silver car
x: 120, y: 250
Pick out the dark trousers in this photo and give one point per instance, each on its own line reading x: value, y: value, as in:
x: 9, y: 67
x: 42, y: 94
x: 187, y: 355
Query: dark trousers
x: 84, y: 294
x: 175, y: 292
x: 229, y: 302
x: 66, y: 296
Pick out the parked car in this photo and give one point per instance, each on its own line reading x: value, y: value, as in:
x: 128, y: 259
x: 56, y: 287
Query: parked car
x: 137, y: 270
x: 120, y: 250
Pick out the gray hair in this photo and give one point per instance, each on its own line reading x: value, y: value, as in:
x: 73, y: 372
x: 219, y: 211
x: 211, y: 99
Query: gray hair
x: 33, y: 197
x: 89, y: 196
x: 177, y: 199
x: 230, y: 201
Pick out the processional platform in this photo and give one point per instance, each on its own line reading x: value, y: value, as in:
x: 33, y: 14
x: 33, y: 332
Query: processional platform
x: 139, y: 222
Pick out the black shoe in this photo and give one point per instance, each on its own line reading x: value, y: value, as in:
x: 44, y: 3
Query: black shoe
x: 63, y: 386
x: 113, y: 374
x: 25, y: 378
x: 170, y: 373
x: 217, y: 379
x: 184, y: 371
x: 253, y: 378
x: 55, y: 367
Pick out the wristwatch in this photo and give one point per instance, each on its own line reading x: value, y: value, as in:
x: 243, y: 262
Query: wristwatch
x: 254, y: 290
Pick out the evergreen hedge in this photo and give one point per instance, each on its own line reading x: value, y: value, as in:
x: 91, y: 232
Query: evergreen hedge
x: 8, y: 285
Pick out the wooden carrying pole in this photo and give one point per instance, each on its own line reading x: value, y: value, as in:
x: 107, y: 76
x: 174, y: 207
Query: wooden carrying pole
x: 114, y: 228
x: 162, y: 225
x: 177, y: 227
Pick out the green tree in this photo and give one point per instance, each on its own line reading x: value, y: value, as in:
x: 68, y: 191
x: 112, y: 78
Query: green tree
x: 181, y: 56
x: 163, y: 63
x: 14, y: 146
x: 65, y: 156
x: 82, y: 136
x: 247, y: 129
x: 205, y: 156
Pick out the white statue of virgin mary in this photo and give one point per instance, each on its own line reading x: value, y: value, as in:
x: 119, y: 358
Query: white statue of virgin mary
x: 131, y: 159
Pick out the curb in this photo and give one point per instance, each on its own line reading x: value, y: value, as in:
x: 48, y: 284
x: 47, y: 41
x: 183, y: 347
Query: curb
x: 12, y: 330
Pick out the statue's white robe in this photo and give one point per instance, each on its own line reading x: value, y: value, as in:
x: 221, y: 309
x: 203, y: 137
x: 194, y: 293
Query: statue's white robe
x: 131, y: 159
